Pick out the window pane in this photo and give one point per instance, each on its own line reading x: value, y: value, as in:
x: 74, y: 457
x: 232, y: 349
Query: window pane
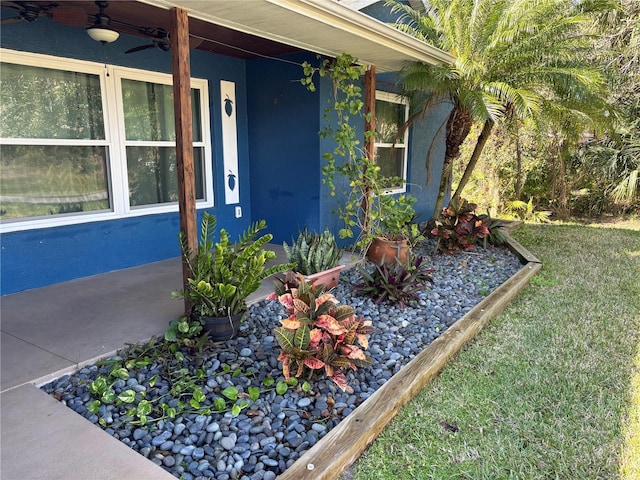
x: 51, y: 180
x: 389, y: 118
x: 46, y: 103
x: 391, y: 162
x: 153, y: 176
x: 196, y: 117
x: 148, y: 112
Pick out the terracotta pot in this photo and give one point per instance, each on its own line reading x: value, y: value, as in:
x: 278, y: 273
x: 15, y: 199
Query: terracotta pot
x: 221, y: 329
x: 387, y: 251
x: 328, y: 278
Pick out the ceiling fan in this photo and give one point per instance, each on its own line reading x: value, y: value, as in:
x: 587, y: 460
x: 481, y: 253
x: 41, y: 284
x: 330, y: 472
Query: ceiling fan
x: 159, y: 39
x: 27, y: 11
x: 30, y: 11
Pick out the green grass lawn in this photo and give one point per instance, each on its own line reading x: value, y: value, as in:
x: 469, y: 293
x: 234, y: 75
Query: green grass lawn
x: 549, y: 390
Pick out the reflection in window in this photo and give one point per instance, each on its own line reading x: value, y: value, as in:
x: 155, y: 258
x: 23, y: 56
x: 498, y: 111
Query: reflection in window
x: 391, y: 149
x: 45, y: 103
x: 78, y: 144
x: 153, y: 176
x: 41, y: 180
x: 151, y: 153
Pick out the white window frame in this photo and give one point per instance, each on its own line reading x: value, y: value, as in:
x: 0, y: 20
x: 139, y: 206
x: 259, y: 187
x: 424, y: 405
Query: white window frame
x: 398, y: 99
x: 115, y: 140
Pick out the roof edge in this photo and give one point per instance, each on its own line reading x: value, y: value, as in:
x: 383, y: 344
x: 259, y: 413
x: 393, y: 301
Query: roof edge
x: 339, y: 16
x: 365, y: 26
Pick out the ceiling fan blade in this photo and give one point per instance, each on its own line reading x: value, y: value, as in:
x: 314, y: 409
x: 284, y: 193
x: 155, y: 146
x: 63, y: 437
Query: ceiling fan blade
x: 140, y: 47
x: 8, y: 21
x: 72, y: 16
x: 15, y: 5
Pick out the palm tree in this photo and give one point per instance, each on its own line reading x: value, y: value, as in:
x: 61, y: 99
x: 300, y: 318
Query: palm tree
x: 514, y: 58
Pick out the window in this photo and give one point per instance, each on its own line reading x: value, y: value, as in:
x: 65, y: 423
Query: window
x: 392, y: 111
x: 81, y: 143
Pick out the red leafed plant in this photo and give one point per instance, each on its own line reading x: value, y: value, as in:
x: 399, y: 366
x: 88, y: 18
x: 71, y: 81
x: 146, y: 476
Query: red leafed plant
x: 320, y: 334
x: 458, y: 227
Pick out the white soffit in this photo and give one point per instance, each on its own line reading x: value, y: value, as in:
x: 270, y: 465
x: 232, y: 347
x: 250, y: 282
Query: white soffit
x: 321, y: 26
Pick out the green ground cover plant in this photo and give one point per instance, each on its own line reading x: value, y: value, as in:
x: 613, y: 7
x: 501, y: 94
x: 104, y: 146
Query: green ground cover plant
x: 549, y: 390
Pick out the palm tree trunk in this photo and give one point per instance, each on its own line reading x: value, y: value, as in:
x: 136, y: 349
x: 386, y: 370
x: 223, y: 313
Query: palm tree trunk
x: 444, y: 184
x: 475, y: 156
x: 458, y: 127
x: 562, y: 174
x: 518, y: 186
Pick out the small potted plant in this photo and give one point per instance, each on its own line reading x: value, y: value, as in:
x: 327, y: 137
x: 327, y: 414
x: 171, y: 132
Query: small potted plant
x: 317, y: 257
x: 369, y: 214
x: 394, y: 231
x: 224, y: 275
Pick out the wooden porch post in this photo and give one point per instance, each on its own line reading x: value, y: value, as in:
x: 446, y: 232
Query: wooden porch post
x: 369, y: 126
x: 180, y: 65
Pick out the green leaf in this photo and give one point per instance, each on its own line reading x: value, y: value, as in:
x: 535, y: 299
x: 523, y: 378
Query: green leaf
x: 254, y: 393
x: 121, y: 373
x: 198, y: 396
x: 306, y: 387
x: 144, y: 408
x: 94, y: 406
x: 99, y: 385
x: 281, y: 388
x: 235, y: 410
x: 171, y: 412
x: 153, y: 380
x: 194, y: 403
x: 128, y: 396
x: 183, y: 326
x: 267, y: 382
x: 231, y: 393
x: 109, y: 396
x: 292, y: 382
x: 219, y: 404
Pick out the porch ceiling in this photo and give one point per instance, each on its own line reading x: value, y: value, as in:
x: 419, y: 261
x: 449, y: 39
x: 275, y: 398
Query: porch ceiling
x: 255, y: 28
x: 321, y: 26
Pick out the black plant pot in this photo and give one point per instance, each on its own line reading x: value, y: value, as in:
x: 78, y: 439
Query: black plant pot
x: 221, y: 329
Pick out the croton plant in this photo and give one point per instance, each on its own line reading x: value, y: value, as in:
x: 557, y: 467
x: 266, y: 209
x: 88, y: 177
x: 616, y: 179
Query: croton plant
x: 320, y: 334
x: 458, y: 227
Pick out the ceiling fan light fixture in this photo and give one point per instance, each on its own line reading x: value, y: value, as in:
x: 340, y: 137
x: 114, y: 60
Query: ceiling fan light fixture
x: 101, y: 30
x: 102, y: 34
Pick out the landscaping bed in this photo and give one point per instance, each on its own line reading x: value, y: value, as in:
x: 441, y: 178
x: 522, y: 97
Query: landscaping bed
x: 269, y: 425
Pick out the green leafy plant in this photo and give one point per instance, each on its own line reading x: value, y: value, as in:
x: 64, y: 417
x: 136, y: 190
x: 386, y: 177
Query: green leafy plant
x: 175, y: 390
x: 525, y: 211
x: 320, y: 334
x: 313, y: 252
x: 365, y: 209
x: 458, y: 227
x: 396, y: 282
x: 224, y: 274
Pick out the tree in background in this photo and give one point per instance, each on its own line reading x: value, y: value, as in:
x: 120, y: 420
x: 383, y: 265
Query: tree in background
x: 612, y: 162
x: 587, y: 174
x: 515, y: 59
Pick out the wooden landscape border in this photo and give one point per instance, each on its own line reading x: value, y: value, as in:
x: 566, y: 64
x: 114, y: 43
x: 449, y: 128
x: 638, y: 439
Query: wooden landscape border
x: 337, y: 450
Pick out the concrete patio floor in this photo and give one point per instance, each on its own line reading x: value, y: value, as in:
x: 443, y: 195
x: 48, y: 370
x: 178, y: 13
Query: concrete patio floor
x: 50, y: 331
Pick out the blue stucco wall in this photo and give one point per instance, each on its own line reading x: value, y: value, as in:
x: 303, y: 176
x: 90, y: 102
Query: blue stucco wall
x: 285, y: 162
x: 280, y: 161
x: 36, y: 258
x: 424, y: 174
